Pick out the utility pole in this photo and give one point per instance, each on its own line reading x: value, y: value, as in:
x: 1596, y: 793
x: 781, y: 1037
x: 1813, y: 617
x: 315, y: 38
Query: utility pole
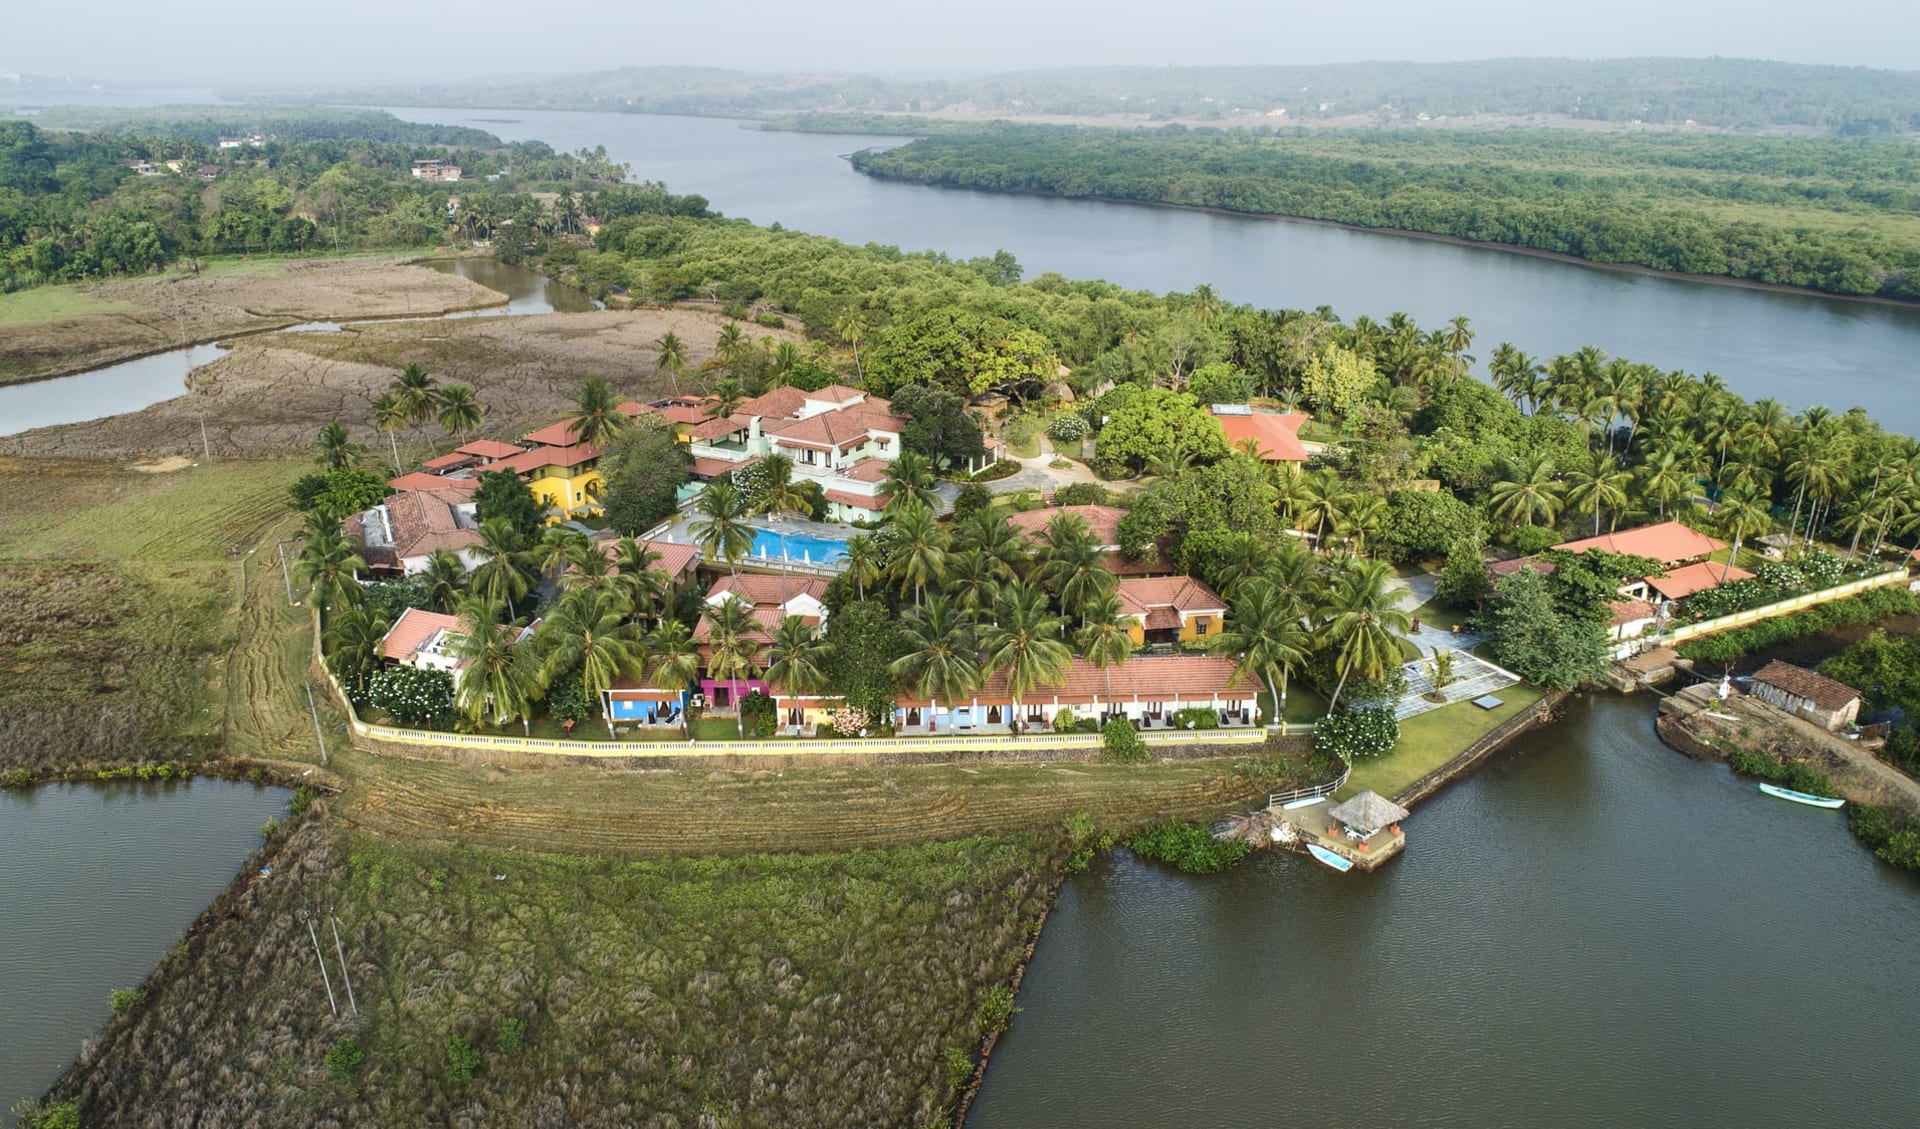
x: 324, y: 978
x: 341, y: 953
x: 286, y: 574
x: 317, y: 735
x: 205, y: 447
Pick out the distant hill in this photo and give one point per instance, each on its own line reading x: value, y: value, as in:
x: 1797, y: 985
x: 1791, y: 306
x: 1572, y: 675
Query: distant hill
x: 1725, y: 93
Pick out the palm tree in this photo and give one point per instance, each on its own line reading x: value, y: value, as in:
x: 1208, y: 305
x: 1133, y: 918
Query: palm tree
x: 560, y: 549
x: 1529, y: 494
x: 1742, y: 512
x: 1601, y: 484
x: 416, y: 394
x: 919, y: 553
x: 589, y: 628
x: 940, y: 664
x: 724, y: 400
x: 780, y: 493
x: 1321, y: 497
x: 1106, y: 638
x: 353, y: 644
x: 600, y: 417
x: 461, y: 412
x: 389, y: 417
x: 672, y: 358
x: 862, y: 562
x: 851, y: 328
x: 909, y: 480
x: 1362, y: 622
x: 1517, y: 376
x: 1666, y: 479
x: 497, y: 677
x: 722, y: 532
x: 675, y: 656
x: 330, y: 566
x: 1006, y: 547
x: 507, y: 572
x: 794, y: 661
x: 1362, y: 516
x: 1024, y: 641
x: 337, y: 447
x: 973, y: 580
x: 644, y: 587
x: 731, y: 651
x: 1073, y: 566
x: 445, y: 579
x: 1265, y: 633
x: 731, y: 345
x: 786, y: 358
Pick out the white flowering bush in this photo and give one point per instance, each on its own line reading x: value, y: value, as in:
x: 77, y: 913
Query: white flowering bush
x: 1360, y: 734
x: 412, y: 695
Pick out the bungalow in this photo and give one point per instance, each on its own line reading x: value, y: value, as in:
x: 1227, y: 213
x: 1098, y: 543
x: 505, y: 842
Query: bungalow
x: 1681, y: 551
x: 1103, y: 524
x: 1275, y: 436
x: 401, y: 533
x: 565, y: 479
x: 771, y: 599
x: 431, y: 641
x: 432, y: 169
x: 1147, y: 691
x: 1828, y: 704
x: 636, y: 703
x: 1169, y: 609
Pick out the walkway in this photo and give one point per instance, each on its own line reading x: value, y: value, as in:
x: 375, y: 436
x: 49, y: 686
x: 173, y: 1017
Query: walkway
x: 1473, y: 677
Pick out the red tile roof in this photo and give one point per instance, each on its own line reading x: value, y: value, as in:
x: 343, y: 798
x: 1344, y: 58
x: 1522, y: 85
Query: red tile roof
x: 489, y: 449
x: 766, y: 591
x: 862, y: 501
x: 1148, y: 679
x: 706, y: 467
x: 833, y: 430
x: 836, y: 394
x: 448, y: 461
x: 867, y: 470
x: 553, y: 435
x: 1630, y: 611
x: 719, y: 428
x: 1176, y: 594
x: 768, y: 619
x: 528, y: 461
x: 1509, y: 567
x: 1103, y: 522
x: 1276, y: 433
x: 1802, y: 683
x: 421, y: 480
x: 1668, y: 542
x: 775, y: 403
x: 1679, y: 583
x: 413, y: 628
x: 676, y: 557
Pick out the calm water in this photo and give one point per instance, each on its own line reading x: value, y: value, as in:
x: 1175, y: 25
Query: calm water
x: 132, y: 385
x: 1796, y: 348
x: 1591, y: 931
x: 774, y: 544
x: 97, y: 881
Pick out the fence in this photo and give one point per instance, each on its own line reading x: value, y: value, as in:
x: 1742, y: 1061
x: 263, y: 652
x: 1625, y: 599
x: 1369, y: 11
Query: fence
x: 1275, y: 799
x: 1688, y: 631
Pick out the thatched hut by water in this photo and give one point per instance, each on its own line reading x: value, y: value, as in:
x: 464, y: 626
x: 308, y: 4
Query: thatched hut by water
x: 1368, y: 813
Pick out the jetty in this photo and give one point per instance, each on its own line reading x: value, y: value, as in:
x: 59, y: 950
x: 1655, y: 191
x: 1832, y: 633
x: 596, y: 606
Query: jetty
x: 1364, y: 830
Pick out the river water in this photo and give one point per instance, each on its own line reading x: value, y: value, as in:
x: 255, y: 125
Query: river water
x: 97, y: 881
x: 1797, y: 348
x: 1592, y: 930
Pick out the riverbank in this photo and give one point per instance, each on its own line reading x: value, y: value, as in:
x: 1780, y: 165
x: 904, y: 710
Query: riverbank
x: 1407, y: 233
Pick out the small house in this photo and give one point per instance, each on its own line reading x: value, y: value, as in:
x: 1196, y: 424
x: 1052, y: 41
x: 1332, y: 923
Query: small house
x: 1828, y: 704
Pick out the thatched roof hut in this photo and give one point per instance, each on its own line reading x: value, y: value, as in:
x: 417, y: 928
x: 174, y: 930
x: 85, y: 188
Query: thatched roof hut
x: 1369, y: 812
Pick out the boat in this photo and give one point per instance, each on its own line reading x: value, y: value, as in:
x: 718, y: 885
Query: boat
x: 1800, y: 797
x: 1308, y: 802
x: 1331, y: 859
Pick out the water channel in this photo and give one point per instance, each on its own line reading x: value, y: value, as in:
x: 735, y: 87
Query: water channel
x: 1593, y: 930
x: 96, y: 882
x: 1798, y: 348
x: 136, y: 384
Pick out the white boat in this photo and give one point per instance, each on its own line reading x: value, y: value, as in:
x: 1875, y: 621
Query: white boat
x: 1806, y: 798
x: 1293, y: 805
x: 1333, y: 860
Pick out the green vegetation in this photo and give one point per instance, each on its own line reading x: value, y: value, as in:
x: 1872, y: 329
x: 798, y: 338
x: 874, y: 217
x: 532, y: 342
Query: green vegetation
x: 1798, y: 775
x: 1868, y: 607
x: 1358, y: 734
x: 344, y: 1058
x: 1886, y: 670
x: 126, y: 999
x: 1189, y: 847
x: 1891, y: 834
x: 1120, y: 743
x: 1831, y: 215
x: 1431, y: 739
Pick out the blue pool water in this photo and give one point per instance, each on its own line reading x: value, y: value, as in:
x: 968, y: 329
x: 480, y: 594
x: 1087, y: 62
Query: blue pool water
x: 770, y: 544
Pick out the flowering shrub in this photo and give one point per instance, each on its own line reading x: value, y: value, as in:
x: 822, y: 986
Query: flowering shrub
x: 1358, y: 734
x: 412, y: 695
x: 1067, y: 428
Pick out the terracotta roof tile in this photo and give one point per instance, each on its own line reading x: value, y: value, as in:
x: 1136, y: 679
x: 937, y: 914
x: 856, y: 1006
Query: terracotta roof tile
x: 528, y: 461
x: 413, y: 628
x: 1142, y: 595
x: 775, y: 403
x: 863, y: 501
x: 1277, y: 433
x: 1630, y: 611
x: 489, y: 449
x: 1668, y: 542
x: 1802, y: 683
x: 1679, y: 583
x: 769, y: 591
x: 448, y: 461
x: 707, y: 467
x: 1103, y: 522
x: 676, y: 557
x: 718, y: 428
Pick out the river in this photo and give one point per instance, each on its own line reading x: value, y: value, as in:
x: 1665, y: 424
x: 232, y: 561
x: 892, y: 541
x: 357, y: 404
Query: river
x: 132, y: 385
x: 1592, y: 930
x: 1797, y: 348
x: 97, y: 881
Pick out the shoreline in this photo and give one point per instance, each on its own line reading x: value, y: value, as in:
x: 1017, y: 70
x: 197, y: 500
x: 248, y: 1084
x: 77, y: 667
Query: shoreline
x: 1435, y: 237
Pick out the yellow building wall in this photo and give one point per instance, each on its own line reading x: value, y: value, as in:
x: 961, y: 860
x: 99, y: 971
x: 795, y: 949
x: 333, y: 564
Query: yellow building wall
x: 1189, y: 630
x: 562, y: 487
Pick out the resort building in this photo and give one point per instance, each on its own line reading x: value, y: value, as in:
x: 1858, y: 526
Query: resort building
x: 398, y: 535
x: 1828, y: 704
x: 1147, y: 691
x: 1274, y: 436
x: 1170, y: 609
x: 435, y: 170
x: 1103, y: 525
x: 628, y: 702
x: 431, y: 641
x: 1682, y: 553
x: 564, y: 479
x: 770, y: 599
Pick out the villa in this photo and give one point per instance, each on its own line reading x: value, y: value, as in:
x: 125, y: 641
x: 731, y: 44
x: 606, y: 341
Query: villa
x: 431, y: 641
x: 1275, y: 436
x: 398, y: 535
x: 771, y: 599
x: 1164, y: 610
x: 1146, y: 691
x: 1103, y: 525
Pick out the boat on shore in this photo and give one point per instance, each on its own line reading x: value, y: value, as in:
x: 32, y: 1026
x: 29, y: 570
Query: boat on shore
x: 1306, y: 802
x: 1806, y: 798
x: 1330, y: 858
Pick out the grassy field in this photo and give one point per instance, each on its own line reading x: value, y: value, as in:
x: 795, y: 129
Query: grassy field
x: 820, y: 990
x: 1432, y: 739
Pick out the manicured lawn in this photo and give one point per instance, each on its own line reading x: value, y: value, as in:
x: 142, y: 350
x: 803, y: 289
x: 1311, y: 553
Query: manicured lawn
x: 1432, y: 739
x: 1303, y: 704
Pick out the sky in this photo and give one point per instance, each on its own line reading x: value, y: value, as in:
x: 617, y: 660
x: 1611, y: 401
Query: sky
x: 214, y: 42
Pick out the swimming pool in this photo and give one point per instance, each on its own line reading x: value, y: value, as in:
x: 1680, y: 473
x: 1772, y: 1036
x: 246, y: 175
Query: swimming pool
x: 770, y: 544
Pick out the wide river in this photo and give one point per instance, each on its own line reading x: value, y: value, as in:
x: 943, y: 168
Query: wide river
x: 1797, y: 348
x: 1592, y: 930
x: 97, y: 881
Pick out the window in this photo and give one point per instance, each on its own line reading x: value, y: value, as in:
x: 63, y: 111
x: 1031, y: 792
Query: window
x: 1200, y: 626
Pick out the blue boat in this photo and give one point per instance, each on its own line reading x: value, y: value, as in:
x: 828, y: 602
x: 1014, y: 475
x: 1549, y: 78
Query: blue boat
x: 1330, y: 858
x: 1800, y: 797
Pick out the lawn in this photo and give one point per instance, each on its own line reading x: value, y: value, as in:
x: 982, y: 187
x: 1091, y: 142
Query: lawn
x: 1432, y: 739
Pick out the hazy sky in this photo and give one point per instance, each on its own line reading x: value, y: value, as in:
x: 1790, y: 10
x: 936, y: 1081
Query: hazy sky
x: 214, y: 41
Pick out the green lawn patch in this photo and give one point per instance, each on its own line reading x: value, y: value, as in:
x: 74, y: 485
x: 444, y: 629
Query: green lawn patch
x: 1434, y: 738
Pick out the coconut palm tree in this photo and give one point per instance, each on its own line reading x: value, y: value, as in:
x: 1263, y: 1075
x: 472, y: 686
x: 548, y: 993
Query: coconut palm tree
x: 851, y: 327
x: 1362, y: 516
x: 909, y: 480
x: 600, y: 417
x: 940, y: 664
x: 461, y: 412
x: 389, y: 417
x: 1529, y: 493
x: 1742, y: 513
x: 337, y: 447
x: 672, y: 358
x: 506, y: 571
x: 416, y: 393
x: 1321, y: 497
x: 1599, y: 485
x: 445, y: 579
x: 589, y: 628
x: 560, y: 549
x: 588, y: 566
x: 779, y: 493
x: 973, y: 581
x: 330, y: 565
x: 1267, y: 637
x: 353, y: 646
x: 1517, y: 376
x: 674, y: 654
x: 862, y: 562
x: 795, y: 660
x: 500, y: 677
x: 1006, y: 547
x: 722, y: 532
x: 1106, y: 638
x: 731, y: 345
x: 732, y: 652
x: 1666, y: 478
x: 919, y: 550
x: 724, y: 400
x: 1073, y: 566
x: 644, y: 586
x: 1024, y: 641
x: 1361, y: 623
